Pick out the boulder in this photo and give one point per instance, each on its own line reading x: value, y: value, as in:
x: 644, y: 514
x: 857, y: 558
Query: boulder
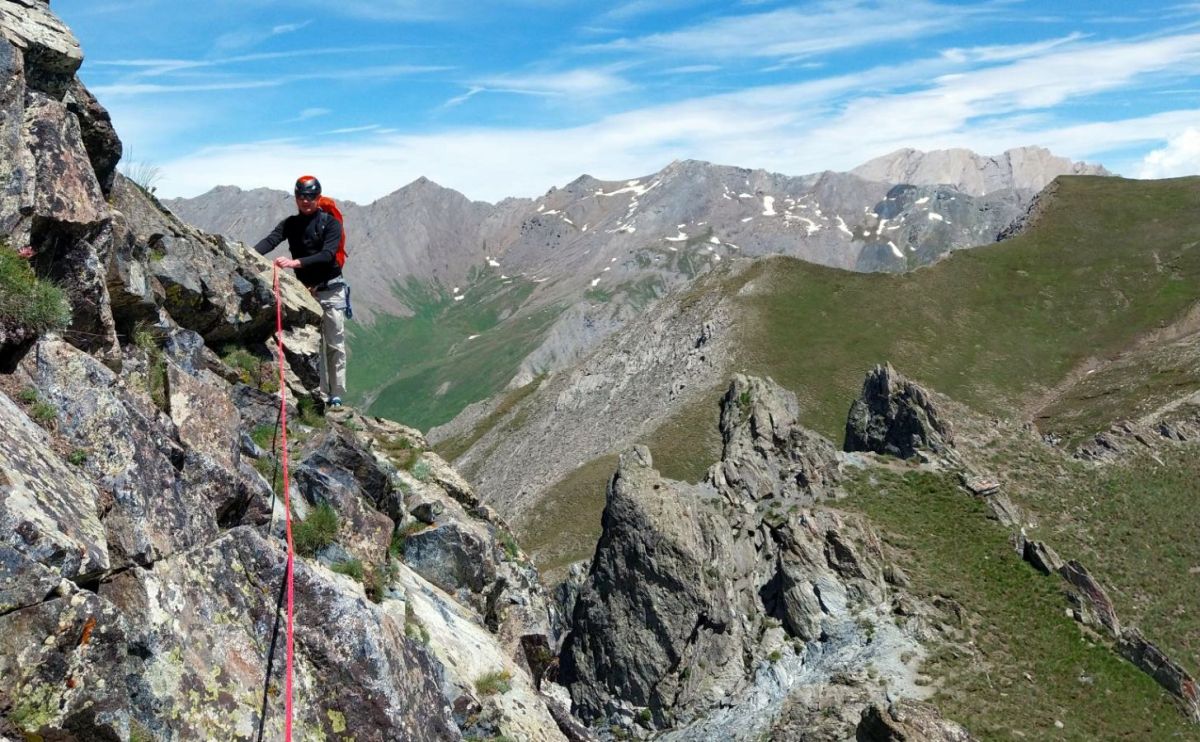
x: 651, y: 604
x: 64, y: 668
x: 48, y: 510
x: 209, y: 664
x: 96, y: 130
x: 134, y: 457
x: 24, y: 582
x: 1092, y: 606
x: 894, y: 416
x: 51, y: 52
x: 18, y: 172
x: 205, y: 418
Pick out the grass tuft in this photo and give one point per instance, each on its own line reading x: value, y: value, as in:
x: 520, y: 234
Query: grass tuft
x: 316, y: 531
x: 28, y: 301
x: 494, y: 682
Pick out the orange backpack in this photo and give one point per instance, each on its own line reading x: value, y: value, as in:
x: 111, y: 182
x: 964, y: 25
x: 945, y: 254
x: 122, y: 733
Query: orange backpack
x: 326, y: 204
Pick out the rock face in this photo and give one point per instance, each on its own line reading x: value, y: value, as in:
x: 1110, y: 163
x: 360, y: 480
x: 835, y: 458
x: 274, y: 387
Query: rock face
x: 1027, y: 169
x: 736, y: 593
x: 895, y: 416
x: 143, y: 555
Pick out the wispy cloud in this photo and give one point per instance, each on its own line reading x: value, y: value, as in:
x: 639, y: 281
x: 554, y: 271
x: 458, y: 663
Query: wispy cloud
x: 1000, y: 53
x: 793, y: 32
x: 289, y: 27
x: 378, y: 72
x: 794, y: 128
x: 574, y: 83
x: 312, y: 113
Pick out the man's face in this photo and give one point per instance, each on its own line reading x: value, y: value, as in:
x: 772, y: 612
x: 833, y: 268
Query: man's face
x: 307, y: 205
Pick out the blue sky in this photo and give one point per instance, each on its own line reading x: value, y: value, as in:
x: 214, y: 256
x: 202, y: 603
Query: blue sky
x: 512, y: 97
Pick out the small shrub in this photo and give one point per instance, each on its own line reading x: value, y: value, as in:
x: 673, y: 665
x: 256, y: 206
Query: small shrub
x: 309, y: 415
x: 775, y: 656
x: 351, y: 568
x: 264, y: 437
x: 43, y: 412
x: 28, y: 395
x: 316, y: 531
x: 145, y: 337
x: 420, y: 471
x: 509, y: 543
x: 495, y: 682
x: 78, y: 456
x: 242, y: 362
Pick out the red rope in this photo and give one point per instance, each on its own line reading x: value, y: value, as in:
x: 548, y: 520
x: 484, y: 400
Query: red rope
x: 287, y: 501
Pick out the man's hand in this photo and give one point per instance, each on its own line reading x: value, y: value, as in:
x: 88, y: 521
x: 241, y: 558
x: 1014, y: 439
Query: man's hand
x: 286, y: 262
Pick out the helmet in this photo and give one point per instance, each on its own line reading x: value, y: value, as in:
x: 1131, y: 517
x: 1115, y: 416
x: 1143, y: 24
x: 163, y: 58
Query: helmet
x: 307, y: 185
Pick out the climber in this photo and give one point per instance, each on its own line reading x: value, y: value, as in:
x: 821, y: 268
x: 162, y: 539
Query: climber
x: 316, y: 241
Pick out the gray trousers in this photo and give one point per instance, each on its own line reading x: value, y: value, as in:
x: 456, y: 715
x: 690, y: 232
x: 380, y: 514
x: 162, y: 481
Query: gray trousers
x: 333, y: 342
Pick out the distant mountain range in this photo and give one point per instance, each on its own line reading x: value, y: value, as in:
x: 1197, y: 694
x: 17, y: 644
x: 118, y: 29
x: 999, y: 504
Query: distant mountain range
x: 586, y: 257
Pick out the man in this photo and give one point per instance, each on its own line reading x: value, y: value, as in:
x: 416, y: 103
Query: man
x: 313, y: 236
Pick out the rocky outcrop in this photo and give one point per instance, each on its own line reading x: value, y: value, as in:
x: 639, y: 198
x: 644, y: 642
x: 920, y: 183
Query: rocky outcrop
x: 142, y: 566
x: 894, y: 416
x: 1165, y: 671
x: 732, y: 594
x: 905, y: 720
x: 767, y: 452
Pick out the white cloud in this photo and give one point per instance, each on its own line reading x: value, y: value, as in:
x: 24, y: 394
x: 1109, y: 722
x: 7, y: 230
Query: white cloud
x: 1181, y: 156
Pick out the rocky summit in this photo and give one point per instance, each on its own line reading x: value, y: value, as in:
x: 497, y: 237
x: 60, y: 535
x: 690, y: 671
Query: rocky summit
x: 774, y: 501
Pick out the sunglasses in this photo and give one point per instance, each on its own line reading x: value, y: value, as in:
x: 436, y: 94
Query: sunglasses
x: 302, y: 197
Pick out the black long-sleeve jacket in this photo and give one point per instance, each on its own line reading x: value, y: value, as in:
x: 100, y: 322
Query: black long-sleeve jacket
x: 313, y: 240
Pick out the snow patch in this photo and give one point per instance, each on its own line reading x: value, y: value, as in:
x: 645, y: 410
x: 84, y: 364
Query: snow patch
x: 472, y: 337
x: 842, y: 226
x: 681, y: 237
x: 921, y: 200
x: 895, y: 250
x: 633, y: 186
x: 936, y: 217
x: 747, y: 219
x: 595, y: 281
x: 493, y: 263
x: 768, y: 206
x: 714, y: 240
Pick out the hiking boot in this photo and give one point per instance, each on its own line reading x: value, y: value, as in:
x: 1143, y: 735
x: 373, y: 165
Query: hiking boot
x: 335, y: 402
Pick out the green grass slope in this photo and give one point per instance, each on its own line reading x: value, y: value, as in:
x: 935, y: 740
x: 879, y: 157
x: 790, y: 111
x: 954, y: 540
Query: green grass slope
x: 1015, y: 667
x: 422, y: 370
x: 996, y: 327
